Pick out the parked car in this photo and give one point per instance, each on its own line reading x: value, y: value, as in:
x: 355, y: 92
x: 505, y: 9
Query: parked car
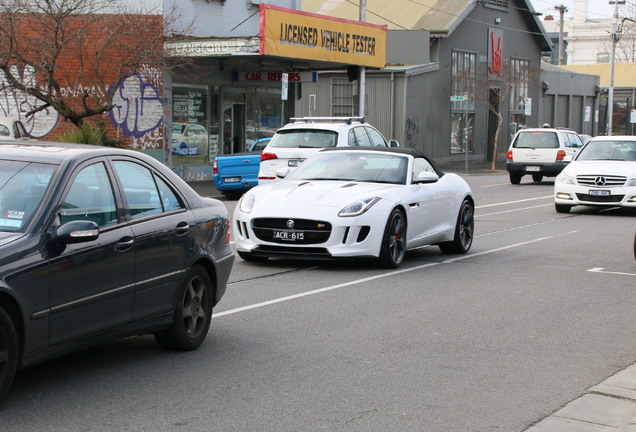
x: 585, y: 138
x: 356, y: 202
x: 238, y: 172
x: 11, y: 129
x: 542, y: 152
x: 98, y: 243
x: 188, y: 139
x: 602, y: 174
x: 296, y: 141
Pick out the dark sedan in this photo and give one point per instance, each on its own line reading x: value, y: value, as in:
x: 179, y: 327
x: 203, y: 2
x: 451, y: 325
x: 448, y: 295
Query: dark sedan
x: 99, y: 243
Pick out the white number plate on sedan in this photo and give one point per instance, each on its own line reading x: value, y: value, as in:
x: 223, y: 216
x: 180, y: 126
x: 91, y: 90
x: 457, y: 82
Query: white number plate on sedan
x: 599, y: 193
x: 289, y: 235
x: 533, y: 168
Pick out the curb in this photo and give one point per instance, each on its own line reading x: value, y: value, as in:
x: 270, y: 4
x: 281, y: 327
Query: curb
x: 606, y: 407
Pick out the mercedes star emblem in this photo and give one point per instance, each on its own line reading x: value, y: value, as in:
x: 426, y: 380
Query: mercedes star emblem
x: 290, y: 224
x: 599, y: 181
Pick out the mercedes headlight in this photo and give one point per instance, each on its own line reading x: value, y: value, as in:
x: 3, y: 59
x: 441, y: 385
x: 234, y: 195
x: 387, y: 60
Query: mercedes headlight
x: 358, y: 207
x: 566, y: 178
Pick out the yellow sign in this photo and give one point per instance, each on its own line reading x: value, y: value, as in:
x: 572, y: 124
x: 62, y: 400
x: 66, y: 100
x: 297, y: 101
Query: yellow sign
x: 303, y: 35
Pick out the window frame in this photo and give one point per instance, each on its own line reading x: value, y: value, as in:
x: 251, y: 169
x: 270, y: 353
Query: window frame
x: 123, y: 201
x: 520, y: 79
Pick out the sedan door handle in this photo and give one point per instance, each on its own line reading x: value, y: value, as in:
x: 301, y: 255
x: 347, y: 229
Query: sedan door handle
x: 125, y: 243
x: 182, y: 228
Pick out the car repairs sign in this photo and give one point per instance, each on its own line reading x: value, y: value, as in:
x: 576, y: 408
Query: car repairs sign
x: 303, y: 35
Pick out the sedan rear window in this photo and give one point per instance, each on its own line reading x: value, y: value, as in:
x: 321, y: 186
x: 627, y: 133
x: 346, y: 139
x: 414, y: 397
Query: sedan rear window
x: 537, y: 140
x: 304, y: 138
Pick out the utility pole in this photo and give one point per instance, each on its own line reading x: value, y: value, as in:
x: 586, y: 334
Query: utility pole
x: 362, y: 71
x: 616, y: 30
x: 562, y: 10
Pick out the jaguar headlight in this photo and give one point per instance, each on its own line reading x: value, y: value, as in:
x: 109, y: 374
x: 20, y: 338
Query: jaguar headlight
x: 358, y: 207
x: 247, y: 202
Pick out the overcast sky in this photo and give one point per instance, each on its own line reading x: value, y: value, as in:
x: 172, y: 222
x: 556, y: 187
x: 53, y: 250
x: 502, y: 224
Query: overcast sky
x: 596, y: 9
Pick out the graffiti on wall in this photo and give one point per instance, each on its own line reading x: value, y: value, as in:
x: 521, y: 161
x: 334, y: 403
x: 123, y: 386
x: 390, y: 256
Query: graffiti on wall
x: 138, y: 108
x: 412, y: 132
x: 138, y: 111
x: 15, y: 103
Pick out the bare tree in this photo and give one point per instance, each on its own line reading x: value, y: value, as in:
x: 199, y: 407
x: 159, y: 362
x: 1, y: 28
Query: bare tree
x: 500, y: 92
x: 626, y: 35
x: 50, y: 46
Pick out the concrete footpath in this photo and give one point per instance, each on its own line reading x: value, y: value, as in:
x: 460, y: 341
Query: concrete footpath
x: 606, y: 407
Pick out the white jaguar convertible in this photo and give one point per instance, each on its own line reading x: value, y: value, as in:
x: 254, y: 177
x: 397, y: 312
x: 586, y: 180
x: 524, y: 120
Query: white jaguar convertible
x: 356, y: 202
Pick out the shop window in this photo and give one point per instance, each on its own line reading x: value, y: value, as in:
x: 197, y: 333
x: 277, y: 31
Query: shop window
x: 263, y: 113
x: 462, y: 132
x: 463, y: 79
x: 191, y: 131
x: 519, y: 69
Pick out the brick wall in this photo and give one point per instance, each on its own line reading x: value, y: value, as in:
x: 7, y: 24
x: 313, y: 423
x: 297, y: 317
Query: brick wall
x: 99, y: 51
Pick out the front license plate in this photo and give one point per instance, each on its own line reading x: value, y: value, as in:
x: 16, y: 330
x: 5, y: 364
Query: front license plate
x: 294, y: 163
x: 599, y: 193
x: 232, y: 179
x: 533, y: 168
x: 291, y: 236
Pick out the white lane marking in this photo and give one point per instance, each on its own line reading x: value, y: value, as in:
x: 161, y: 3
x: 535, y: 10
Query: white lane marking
x: 513, y: 210
x: 371, y: 278
x: 512, y: 202
x: 602, y: 270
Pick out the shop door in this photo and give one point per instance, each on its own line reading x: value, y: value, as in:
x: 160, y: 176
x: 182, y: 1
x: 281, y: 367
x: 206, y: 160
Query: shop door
x: 233, y: 128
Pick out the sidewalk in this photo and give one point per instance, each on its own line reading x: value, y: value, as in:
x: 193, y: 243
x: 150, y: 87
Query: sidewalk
x: 607, y: 407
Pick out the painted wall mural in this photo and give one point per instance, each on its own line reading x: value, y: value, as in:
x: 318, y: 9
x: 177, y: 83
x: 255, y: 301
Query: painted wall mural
x: 16, y: 104
x: 138, y: 111
x: 137, y: 115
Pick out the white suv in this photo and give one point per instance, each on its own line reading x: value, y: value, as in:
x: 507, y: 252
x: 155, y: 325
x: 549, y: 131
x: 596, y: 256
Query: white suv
x: 296, y: 141
x: 542, y: 152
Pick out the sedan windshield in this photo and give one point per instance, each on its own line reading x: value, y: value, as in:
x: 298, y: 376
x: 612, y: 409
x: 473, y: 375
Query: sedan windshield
x: 609, y: 149
x: 304, y: 138
x: 353, y: 166
x: 22, y: 186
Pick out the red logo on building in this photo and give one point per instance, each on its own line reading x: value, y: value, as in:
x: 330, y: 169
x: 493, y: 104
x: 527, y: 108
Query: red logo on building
x: 496, y: 54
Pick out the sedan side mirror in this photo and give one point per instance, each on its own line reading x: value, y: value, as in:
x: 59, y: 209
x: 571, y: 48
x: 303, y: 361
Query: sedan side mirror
x: 393, y: 143
x: 77, y: 231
